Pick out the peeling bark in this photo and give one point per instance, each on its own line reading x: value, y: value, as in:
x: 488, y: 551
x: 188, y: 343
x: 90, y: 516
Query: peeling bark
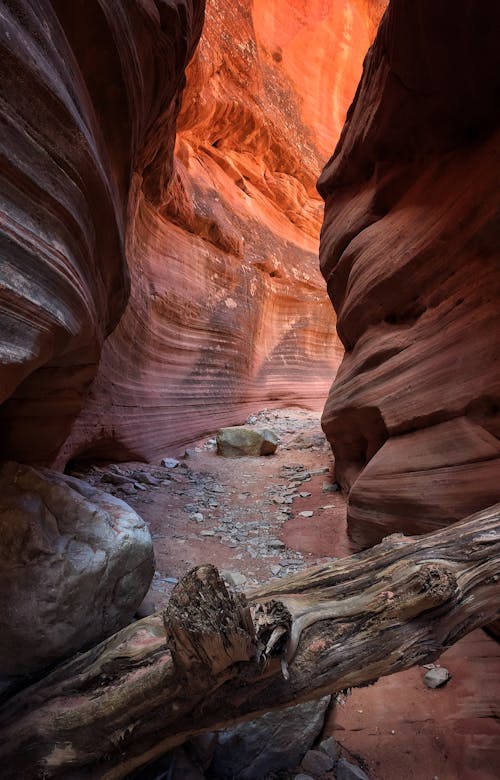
x: 215, y: 657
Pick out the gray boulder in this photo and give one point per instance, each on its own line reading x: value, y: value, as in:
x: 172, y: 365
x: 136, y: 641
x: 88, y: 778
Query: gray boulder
x: 275, y: 742
x: 75, y: 564
x: 239, y: 440
x: 347, y: 771
x: 316, y: 762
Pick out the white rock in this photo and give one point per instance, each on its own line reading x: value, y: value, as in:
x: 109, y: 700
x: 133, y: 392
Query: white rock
x: 170, y: 463
x: 437, y: 677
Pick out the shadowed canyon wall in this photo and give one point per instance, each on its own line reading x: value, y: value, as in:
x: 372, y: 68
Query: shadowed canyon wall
x: 228, y: 311
x: 410, y: 252
x: 90, y: 92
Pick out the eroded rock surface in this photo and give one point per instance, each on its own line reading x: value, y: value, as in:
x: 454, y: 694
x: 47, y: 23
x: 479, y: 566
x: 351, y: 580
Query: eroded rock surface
x: 410, y: 253
x: 89, y: 100
x: 228, y: 311
x: 75, y: 564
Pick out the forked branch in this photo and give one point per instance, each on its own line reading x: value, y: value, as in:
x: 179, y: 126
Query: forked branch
x: 215, y: 657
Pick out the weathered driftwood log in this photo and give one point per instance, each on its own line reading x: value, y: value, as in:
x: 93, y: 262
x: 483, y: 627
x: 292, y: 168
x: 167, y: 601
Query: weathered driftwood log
x: 225, y: 657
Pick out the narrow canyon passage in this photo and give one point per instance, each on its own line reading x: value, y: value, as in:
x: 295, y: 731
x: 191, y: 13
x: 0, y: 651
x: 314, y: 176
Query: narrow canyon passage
x: 270, y: 222
x: 262, y: 519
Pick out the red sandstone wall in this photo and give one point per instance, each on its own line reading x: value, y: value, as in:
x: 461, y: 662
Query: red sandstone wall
x: 228, y: 311
x: 410, y: 252
x: 89, y: 97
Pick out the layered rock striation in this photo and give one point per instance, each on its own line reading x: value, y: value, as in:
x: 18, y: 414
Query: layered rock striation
x: 90, y: 92
x: 228, y: 311
x: 409, y: 250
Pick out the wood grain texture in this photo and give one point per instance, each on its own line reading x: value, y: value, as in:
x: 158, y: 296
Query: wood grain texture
x: 226, y: 658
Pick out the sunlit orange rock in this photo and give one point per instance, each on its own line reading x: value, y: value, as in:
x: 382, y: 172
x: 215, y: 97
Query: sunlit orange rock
x: 410, y: 249
x: 228, y: 312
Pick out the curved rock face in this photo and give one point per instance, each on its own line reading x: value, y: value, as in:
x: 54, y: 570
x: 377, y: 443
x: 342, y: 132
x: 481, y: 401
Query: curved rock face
x: 75, y: 565
x: 89, y: 97
x: 228, y: 311
x: 410, y: 252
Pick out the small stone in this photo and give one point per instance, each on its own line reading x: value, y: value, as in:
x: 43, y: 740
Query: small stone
x: 129, y: 490
x: 276, y: 544
x: 145, y: 478
x: 217, y: 489
x: 304, y: 495
x: 329, y: 746
x: 306, y: 513
x: 436, y: 678
x: 207, y: 533
x: 330, y: 487
x: 116, y: 479
x: 169, y: 463
x: 197, y: 517
x: 346, y: 771
x: 303, y: 777
x: 276, y: 569
x: 317, y: 762
x: 171, y: 580
x: 234, y: 578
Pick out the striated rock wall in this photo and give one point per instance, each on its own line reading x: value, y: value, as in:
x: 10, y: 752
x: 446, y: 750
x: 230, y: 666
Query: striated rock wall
x: 410, y: 252
x: 228, y: 311
x: 89, y: 92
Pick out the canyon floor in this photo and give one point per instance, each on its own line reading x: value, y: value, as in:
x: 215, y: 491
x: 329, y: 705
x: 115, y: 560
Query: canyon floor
x: 259, y: 518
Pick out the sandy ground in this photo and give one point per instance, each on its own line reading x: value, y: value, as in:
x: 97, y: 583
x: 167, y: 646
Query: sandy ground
x: 244, y: 516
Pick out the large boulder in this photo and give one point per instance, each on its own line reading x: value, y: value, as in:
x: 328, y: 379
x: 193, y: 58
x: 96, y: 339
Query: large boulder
x: 75, y: 563
x: 275, y: 742
x: 240, y: 440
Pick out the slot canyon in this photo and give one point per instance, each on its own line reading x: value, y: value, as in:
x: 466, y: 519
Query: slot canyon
x: 250, y: 390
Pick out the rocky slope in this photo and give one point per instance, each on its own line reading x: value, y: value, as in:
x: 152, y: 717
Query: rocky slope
x: 89, y: 94
x: 228, y: 310
x: 410, y: 253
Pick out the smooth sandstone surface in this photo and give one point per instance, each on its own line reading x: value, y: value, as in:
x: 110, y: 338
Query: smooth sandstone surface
x: 90, y: 92
x: 228, y: 311
x: 75, y: 565
x: 409, y: 250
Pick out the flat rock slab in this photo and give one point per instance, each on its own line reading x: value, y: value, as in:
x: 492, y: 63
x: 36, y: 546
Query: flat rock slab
x: 240, y: 441
x: 347, y: 771
x: 317, y: 762
x: 275, y: 742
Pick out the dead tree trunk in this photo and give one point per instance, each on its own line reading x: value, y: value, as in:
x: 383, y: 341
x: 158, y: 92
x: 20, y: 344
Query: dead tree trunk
x: 226, y: 657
